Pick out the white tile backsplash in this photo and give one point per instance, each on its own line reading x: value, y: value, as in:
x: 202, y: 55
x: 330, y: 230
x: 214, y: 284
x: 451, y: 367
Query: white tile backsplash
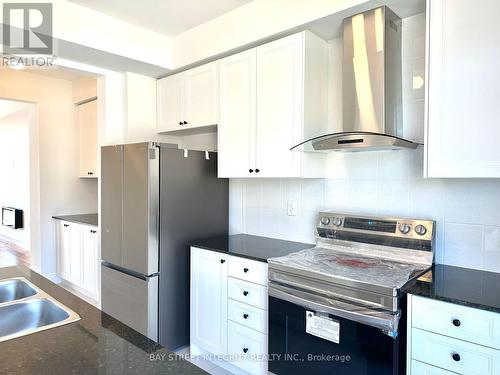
x: 492, y: 240
x: 467, y: 212
x: 463, y: 245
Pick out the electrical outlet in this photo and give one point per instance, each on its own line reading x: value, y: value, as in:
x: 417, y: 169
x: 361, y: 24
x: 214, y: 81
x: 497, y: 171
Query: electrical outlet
x: 291, y: 208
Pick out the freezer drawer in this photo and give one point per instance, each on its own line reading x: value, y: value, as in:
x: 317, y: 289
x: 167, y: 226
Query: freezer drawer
x: 131, y: 300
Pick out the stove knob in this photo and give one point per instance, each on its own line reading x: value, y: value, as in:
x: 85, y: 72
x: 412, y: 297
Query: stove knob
x: 325, y: 220
x: 337, y: 221
x: 404, y: 228
x: 420, y: 230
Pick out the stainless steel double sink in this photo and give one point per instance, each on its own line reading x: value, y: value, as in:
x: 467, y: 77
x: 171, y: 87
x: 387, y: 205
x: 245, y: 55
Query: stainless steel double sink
x: 25, y: 309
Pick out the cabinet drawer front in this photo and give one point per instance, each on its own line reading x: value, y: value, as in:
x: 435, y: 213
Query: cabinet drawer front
x: 461, y: 322
x: 419, y: 368
x: 247, y: 348
x: 247, y: 315
x: 438, y: 350
x: 249, y: 293
x: 249, y: 270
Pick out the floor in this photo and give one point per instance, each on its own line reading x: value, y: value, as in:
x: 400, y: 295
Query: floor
x: 12, y: 254
x: 204, y: 364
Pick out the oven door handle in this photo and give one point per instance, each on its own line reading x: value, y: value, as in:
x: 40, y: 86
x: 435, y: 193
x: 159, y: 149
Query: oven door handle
x: 383, y: 320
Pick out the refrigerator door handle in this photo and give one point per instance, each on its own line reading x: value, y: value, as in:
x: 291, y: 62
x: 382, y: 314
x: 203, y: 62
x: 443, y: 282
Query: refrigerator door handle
x: 128, y: 272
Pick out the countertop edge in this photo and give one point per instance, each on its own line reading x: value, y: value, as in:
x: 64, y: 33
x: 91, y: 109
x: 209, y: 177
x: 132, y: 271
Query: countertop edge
x: 75, y: 219
x: 204, y: 247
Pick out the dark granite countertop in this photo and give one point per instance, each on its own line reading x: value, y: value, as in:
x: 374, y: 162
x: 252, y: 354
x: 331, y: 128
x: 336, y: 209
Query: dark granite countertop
x: 88, y: 219
x: 251, y: 247
x: 96, y: 344
x: 462, y: 286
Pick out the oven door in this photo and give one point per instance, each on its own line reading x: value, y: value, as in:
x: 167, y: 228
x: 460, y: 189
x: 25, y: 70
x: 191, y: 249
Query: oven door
x: 307, y: 337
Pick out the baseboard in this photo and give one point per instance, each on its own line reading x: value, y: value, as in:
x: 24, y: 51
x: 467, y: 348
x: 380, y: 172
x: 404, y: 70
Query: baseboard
x: 77, y: 291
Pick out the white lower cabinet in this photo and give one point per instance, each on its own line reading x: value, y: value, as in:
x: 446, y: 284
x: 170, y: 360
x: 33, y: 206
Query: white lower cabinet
x: 445, y: 338
x: 425, y: 369
x: 208, y: 300
x: 229, y: 309
x: 78, y: 256
x: 248, y: 347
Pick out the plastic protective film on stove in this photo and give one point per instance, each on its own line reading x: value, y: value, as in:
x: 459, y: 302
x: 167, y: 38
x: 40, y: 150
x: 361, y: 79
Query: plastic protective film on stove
x: 373, y: 264
x: 353, y: 263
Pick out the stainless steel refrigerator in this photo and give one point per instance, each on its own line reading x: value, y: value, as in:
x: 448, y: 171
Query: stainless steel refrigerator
x: 154, y: 199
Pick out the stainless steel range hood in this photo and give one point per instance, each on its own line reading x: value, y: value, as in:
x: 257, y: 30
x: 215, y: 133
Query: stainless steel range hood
x: 371, y: 87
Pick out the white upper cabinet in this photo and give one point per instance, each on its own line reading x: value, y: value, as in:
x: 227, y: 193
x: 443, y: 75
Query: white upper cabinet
x: 202, y: 95
x: 236, y: 131
x: 280, y: 83
x: 462, y: 128
x: 87, y: 122
x: 272, y: 97
x: 188, y: 102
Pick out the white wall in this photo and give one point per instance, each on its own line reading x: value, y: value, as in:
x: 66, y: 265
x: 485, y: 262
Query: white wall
x: 250, y: 23
x: 15, y: 169
x: 61, y: 190
x: 388, y: 183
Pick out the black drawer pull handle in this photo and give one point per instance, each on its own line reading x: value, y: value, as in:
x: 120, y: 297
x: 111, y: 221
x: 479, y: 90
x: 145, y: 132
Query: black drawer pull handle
x: 180, y: 122
x: 456, y: 322
x: 456, y: 357
x: 245, y: 293
x: 66, y: 225
x: 185, y: 122
x: 257, y: 170
x: 245, y: 270
x: 250, y: 170
x: 245, y: 350
x: 245, y: 316
x: 92, y: 231
x: 223, y: 261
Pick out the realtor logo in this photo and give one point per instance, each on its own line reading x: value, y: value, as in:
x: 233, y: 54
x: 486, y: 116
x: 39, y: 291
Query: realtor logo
x: 27, y: 28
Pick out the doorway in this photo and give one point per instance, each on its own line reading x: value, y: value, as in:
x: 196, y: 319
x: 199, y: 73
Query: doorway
x: 15, y: 191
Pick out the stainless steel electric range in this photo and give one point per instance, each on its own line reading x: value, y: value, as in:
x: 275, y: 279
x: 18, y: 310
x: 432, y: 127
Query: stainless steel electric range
x: 338, y: 308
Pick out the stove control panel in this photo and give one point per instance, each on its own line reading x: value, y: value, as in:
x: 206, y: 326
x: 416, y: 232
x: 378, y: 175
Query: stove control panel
x: 335, y: 223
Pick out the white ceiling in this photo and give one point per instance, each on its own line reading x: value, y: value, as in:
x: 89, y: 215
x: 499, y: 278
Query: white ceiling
x: 8, y: 107
x: 168, y: 17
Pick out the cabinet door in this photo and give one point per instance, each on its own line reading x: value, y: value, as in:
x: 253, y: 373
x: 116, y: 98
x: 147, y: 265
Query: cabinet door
x: 87, y: 122
x: 279, y: 106
x: 463, y: 89
x: 202, y: 95
x: 75, y: 254
x: 236, y: 130
x: 90, y: 261
x: 63, y: 247
x: 209, y: 300
x: 171, y: 113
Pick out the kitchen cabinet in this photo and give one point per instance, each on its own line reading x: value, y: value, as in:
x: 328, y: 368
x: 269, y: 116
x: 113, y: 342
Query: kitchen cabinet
x: 463, y: 89
x: 271, y: 98
x: 78, y: 256
x: 208, y: 300
x: 236, y: 131
x: 188, y: 102
x: 445, y: 338
x: 87, y: 123
x: 229, y: 313
x: 90, y: 260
